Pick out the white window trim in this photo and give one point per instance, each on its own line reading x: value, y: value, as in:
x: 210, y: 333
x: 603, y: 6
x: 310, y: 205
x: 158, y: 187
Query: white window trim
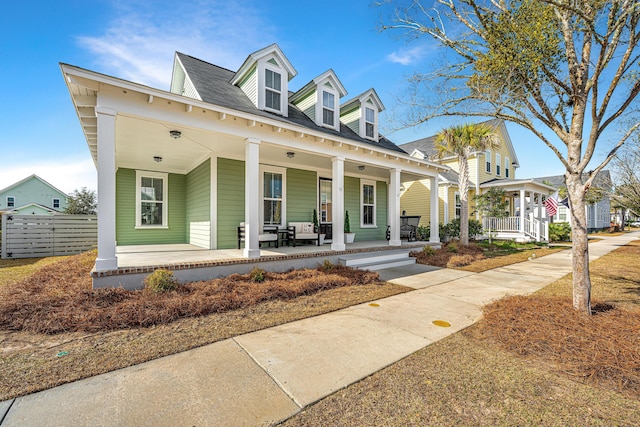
x: 53, y: 203
x: 165, y: 202
x: 364, y: 182
x: 320, y: 107
x: 498, y: 164
x: 283, y: 172
x: 13, y: 201
x: 456, y: 205
x: 363, y: 122
x: 488, y: 161
x: 262, y: 87
x: 507, y: 167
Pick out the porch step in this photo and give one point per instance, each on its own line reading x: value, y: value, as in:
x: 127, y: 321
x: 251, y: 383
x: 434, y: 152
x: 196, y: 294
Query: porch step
x: 377, y: 261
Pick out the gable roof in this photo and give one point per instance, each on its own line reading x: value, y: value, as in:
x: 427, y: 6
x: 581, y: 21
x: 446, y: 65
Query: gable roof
x: 213, y: 84
x: 426, y: 146
x: 30, y: 177
x: 361, y: 98
x: 257, y: 55
x: 602, y: 180
x: 312, y: 85
x: 38, y: 205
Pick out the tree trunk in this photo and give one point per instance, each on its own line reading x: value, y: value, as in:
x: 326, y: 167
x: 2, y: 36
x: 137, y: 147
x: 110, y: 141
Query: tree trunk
x: 464, y: 199
x: 581, y: 279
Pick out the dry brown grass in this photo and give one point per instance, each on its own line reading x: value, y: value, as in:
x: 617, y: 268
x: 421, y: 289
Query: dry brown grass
x: 60, y: 295
x: 15, y: 270
x: 474, y: 258
x: 532, y: 361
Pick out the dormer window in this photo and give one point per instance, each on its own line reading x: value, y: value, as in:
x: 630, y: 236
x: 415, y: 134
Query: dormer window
x: 264, y: 77
x: 273, y: 90
x: 328, y: 108
x: 370, y: 122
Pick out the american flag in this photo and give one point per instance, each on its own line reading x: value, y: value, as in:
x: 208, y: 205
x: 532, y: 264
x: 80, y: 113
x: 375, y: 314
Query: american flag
x: 551, y: 204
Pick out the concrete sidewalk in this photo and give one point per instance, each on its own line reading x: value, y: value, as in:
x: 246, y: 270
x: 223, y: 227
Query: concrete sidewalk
x: 267, y: 376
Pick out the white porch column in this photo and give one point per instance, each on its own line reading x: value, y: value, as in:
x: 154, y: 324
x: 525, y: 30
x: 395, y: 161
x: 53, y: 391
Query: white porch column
x: 107, y: 259
x: 522, y: 211
x: 434, y: 236
x: 445, y: 220
x: 394, y: 207
x: 252, y: 198
x: 337, y: 210
x: 539, y: 218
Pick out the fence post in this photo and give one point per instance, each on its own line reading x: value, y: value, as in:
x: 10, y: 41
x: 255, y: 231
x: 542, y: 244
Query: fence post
x: 3, y: 238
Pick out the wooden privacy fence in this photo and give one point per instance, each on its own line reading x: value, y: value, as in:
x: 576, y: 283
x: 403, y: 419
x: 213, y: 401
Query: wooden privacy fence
x: 32, y: 236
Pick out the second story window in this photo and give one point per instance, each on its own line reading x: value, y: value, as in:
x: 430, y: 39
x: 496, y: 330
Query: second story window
x: 56, y: 203
x: 11, y: 201
x: 328, y: 108
x: 498, y: 164
x: 487, y: 156
x: 506, y: 167
x: 369, y: 122
x: 273, y: 90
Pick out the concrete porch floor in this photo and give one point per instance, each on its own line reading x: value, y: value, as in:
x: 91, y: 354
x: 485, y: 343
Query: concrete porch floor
x: 152, y: 255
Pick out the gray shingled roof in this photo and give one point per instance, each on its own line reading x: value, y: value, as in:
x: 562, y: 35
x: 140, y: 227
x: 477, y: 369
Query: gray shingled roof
x: 602, y: 180
x: 427, y: 145
x: 213, y: 84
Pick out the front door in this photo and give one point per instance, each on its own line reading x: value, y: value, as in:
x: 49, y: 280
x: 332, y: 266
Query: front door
x: 325, y: 207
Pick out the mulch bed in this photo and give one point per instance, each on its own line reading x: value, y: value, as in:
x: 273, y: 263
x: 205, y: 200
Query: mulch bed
x: 451, y: 255
x: 42, y: 304
x: 603, y: 348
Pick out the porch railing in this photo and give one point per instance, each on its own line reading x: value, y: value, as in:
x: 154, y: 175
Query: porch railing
x: 510, y: 223
x: 534, y: 228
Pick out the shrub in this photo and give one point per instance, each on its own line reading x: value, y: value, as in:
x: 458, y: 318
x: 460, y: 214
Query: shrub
x: 161, y: 281
x: 559, y: 232
x: 257, y: 275
x: 424, y: 233
x: 326, y: 265
x: 452, y: 248
x: 452, y: 229
x: 428, y: 250
x: 460, y: 260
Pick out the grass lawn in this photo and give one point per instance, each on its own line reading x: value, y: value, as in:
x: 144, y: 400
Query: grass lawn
x: 474, y: 377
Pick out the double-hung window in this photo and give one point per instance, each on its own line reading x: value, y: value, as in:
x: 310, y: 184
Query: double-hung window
x: 368, y: 198
x: 498, y: 164
x: 272, y: 196
x: 458, y: 205
x: 328, y: 108
x: 152, y: 199
x: 506, y: 167
x: 369, y: 122
x: 11, y: 201
x: 487, y: 156
x: 56, y: 203
x: 273, y: 90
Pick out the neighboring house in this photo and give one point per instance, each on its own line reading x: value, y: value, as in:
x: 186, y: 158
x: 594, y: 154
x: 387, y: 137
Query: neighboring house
x: 32, y: 195
x: 598, y: 213
x: 487, y: 169
x: 225, y: 147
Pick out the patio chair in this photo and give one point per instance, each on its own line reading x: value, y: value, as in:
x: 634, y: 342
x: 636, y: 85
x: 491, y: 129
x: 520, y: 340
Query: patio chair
x: 301, y: 231
x: 408, y: 228
x: 269, y: 235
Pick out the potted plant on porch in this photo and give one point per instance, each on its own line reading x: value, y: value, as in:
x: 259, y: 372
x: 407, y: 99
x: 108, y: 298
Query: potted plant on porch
x: 348, y: 235
x: 316, y: 228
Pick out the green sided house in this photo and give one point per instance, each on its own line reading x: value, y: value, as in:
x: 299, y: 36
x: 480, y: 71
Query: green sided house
x: 223, y: 148
x: 32, y: 196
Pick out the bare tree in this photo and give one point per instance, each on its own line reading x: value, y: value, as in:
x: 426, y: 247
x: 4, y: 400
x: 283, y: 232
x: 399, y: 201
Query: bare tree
x: 565, y: 66
x: 626, y: 168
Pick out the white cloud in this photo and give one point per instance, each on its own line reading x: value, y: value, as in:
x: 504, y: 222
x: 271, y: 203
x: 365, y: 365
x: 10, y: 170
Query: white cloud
x: 66, y: 174
x: 140, y: 41
x: 407, y: 56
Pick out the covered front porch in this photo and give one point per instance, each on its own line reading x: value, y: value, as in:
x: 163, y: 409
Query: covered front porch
x: 527, y: 220
x: 190, y: 262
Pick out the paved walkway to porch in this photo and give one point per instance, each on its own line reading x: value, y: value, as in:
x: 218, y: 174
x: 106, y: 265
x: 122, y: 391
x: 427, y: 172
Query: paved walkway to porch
x: 267, y: 376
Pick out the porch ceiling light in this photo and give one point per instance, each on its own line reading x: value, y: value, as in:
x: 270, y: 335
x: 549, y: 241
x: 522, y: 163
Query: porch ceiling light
x: 157, y: 158
x: 175, y: 134
x: 291, y: 154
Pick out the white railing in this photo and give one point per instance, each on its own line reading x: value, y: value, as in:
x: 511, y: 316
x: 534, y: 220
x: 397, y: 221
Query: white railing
x: 510, y: 223
x: 534, y: 228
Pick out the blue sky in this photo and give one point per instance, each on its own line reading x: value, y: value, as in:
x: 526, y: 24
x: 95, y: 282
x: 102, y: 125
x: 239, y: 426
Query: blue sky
x: 136, y: 40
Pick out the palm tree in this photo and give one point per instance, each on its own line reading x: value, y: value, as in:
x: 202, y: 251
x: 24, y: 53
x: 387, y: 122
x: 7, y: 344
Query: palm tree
x: 461, y: 141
